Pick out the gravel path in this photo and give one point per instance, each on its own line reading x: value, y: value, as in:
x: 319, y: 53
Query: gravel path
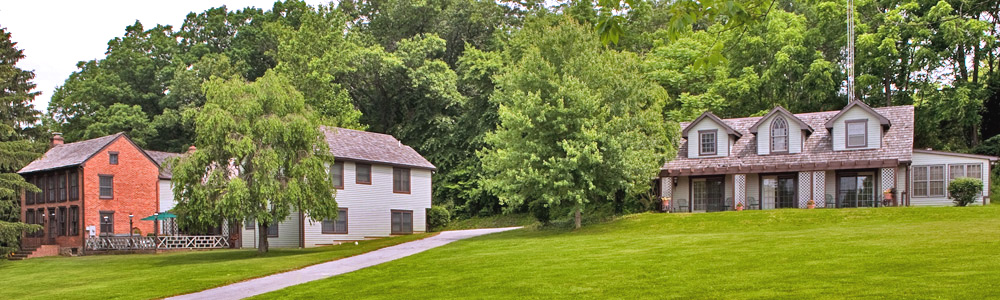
x: 279, y: 281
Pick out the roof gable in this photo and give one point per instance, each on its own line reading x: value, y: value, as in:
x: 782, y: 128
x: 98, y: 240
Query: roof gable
x: 778, y: 110
x: 709, y: 115
x: 817, y: 149
x: 881, y: 119
x: 77, y: 153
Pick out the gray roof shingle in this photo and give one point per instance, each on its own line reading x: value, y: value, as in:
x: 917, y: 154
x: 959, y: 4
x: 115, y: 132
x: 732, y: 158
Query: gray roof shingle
x: 363, y: 146
x: 161, y: 157
x: 68, y: 155
x: 897, y: 145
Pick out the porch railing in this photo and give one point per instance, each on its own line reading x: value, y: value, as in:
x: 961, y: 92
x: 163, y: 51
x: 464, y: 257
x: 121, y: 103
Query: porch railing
x: 161, y: 242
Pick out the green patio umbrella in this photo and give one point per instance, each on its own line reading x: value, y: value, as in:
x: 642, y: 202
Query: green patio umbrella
x: 156, y: 224
x: 159, y: 217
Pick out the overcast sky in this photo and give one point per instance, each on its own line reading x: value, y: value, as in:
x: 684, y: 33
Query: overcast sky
x: 55, y: 35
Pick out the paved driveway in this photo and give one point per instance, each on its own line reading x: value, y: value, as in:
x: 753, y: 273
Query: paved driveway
x: 279, y: 281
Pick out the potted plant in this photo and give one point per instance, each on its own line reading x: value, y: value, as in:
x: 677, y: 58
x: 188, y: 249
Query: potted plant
x: 887, y: 193
x: 811, y: 204
x: 665, y: 204
x: 739, y: 206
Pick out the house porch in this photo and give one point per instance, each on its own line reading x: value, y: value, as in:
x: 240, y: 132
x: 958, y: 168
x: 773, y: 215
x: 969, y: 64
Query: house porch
x: 773, y: 189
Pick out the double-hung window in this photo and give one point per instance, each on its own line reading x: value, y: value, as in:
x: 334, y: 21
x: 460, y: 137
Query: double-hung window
x: 337, y: 174
x: 401, y: 180
x: 928, y: 181
x: 965, y: 170
x: 707, y: 142
x: 107, y: 223
x: 338, y: 226
x: 363, y: 173
x: 857, y: 133
x: 74, y: 186
x: 107, y: 186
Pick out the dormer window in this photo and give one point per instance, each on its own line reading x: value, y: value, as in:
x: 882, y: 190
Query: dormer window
x: 708, y: 142
x: 779, y: 135
x: 857, y: 133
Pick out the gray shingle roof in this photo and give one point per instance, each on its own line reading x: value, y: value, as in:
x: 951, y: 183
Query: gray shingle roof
x: 897, y: 145
x: 68, y: 155
x: 161, y: 157
x: 363, y: 146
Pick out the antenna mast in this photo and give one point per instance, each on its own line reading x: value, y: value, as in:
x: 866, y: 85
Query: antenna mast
x: 850, y: 51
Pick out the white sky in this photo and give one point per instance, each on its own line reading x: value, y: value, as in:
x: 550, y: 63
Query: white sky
x: 55, y: 35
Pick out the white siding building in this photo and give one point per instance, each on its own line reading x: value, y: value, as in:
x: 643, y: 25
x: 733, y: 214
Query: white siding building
x: 383, y: 189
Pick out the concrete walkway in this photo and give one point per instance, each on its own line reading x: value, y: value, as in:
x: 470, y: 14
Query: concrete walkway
x: 279, y: 281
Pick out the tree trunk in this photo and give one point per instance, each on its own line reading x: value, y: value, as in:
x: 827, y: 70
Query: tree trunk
x: 262, y: 246
x: 887, y: 82
x: 576, y: 217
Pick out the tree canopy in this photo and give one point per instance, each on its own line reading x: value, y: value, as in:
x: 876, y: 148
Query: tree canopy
x: 261, y: 156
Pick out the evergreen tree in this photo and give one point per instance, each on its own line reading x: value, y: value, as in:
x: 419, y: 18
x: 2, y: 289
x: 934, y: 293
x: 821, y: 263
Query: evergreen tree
x: 17, y: 115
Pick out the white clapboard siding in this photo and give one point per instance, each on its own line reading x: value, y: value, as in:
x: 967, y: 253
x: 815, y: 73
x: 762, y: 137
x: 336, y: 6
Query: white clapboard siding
x: 920, y: 159
x: 166, y: 195
x: 795, y: 135
x: 288, y: 234
x: 840, y: 129
x: 722, y: 139
x: 369, y: 206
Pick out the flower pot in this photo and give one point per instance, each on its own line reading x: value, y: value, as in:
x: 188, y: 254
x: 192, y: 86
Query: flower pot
x: 739, y: 208
x: 887, y: 196
x: 811, y: 206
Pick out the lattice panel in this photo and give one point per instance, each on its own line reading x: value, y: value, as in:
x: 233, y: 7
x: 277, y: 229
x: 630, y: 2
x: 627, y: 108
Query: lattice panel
x: 805, y: 187
x: 888, y: 180
x: 819, y: 188
x: 740, y: 194
x: 666, y: 186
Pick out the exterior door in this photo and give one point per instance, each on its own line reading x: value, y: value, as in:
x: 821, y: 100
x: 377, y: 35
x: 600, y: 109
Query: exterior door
x: 708, y: 194
x: 856, y: 190
x: 778, y: 191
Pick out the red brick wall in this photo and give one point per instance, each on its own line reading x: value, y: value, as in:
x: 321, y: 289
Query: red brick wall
x: 135, y: 188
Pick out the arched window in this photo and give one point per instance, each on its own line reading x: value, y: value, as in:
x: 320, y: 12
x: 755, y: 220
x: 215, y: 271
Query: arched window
x: 779, y: 135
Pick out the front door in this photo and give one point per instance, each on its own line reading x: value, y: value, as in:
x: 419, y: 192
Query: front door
x: 778, y: 191
x: 708, y: 194
x: 856, y: 190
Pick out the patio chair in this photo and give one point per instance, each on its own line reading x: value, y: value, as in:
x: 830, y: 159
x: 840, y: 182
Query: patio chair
x: 830, y: 202
x: 754, y: 204
x: 726, y: 205
x: 681, y: 205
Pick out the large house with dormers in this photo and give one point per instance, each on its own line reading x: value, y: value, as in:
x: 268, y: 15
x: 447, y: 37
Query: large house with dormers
x: 855, y: 157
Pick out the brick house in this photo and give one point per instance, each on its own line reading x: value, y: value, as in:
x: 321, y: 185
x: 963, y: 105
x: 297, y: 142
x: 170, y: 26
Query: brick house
x: 845, y: 158
x: 89, y: 188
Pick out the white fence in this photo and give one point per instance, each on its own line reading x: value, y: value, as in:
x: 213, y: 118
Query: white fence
x: 161, y: 242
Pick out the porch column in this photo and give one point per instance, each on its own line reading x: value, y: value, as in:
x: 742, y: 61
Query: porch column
x: 740, y: 190
x: 805, y: 188
x: 888, y: 181
x: 819, y: 188
x: 666, y: 187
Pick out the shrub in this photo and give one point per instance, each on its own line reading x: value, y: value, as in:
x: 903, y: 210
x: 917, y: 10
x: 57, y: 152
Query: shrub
x: 540, y: 211
x: 964, y: 191
x: 437, y: 218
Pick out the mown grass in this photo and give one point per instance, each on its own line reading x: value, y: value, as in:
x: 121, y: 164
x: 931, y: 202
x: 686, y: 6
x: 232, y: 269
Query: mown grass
x: 922, y: 253
x: 146, y: 276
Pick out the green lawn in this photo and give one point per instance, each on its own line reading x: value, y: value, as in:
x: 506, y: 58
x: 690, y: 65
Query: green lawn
x: 944, y: 252
x: 144, y: 276
x: 498, y: 221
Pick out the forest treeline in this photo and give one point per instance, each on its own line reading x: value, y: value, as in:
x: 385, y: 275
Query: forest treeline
x: 461, y: 80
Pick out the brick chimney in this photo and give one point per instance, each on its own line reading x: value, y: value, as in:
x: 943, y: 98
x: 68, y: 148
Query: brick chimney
x: 57, y: 139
